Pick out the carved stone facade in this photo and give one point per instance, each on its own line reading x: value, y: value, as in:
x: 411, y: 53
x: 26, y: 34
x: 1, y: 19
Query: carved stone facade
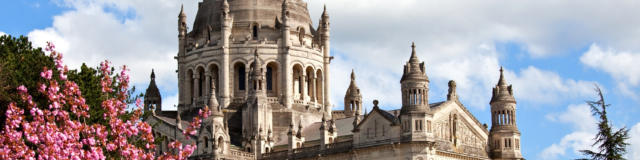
x: 263, y: 70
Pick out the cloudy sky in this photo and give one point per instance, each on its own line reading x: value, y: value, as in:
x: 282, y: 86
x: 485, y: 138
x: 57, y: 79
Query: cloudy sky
x: 554, y: 53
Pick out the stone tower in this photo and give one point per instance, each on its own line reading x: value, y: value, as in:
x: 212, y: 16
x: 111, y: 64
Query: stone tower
x: 353, y: 98
x: 152, y: 97
x: 218, y: 49
x: 257, y: 116
x: 504, y: 137
x: 415, y: 103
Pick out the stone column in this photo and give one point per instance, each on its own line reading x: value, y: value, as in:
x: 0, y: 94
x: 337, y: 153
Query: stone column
x: 196, y: 87
x: 303, y: 81
x: 313, y: 89
x: 246, y: 80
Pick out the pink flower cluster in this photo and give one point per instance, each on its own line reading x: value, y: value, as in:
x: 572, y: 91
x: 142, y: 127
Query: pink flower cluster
x: 59, y: 130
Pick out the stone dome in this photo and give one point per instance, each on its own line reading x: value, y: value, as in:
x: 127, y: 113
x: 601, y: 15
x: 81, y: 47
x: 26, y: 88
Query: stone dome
x: 246, y: 14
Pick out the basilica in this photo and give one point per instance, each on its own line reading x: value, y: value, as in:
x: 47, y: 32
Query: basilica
x: 262, y: 68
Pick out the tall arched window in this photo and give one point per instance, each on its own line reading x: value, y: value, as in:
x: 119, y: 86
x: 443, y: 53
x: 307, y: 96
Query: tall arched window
x: 201, y: 81
x: 206, y: 142
x: 240, y: 76
x: 272, y: 79
x: 190, y: 86
x: 255, y: 31
x: 319, y: 87
x: 269, y: 78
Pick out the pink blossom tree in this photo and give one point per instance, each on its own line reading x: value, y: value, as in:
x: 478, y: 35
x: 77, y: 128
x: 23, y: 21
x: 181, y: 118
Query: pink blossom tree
x: 60, y: 130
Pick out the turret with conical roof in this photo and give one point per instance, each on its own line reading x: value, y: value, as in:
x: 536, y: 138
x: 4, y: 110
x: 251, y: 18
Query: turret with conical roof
x: 504, y: 137
x: 415, y: 103
x: 353, y: 98
x: 152, y: 96
x: 415, y: 85
x: 182, y: 22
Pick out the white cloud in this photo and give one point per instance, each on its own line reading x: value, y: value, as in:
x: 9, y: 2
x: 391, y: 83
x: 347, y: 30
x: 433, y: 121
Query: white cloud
x: 542, y: 86
x: 459, y: 47
x: 621, y: 65
x: 139, y: 34
x: 2, y: 33
x: 583, y: 126
x: 634, y: 141
x: 457, y: 40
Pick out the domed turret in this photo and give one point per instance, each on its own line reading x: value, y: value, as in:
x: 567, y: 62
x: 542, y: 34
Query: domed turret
x: 353, y: 98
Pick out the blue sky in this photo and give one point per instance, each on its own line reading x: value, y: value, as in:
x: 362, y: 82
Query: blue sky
x: 553, y: 52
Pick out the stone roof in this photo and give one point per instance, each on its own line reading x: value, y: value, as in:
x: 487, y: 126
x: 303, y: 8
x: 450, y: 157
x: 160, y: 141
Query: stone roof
x: 414, y: 69
x: 248, y: 12
x: 502, y: 92
x: 344, y: 126
x: 152, y: 90
x: 171, y: 121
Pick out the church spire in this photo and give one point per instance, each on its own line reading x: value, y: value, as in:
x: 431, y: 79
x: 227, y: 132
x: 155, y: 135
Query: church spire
x: 152, y: 95
x: 153, y: 75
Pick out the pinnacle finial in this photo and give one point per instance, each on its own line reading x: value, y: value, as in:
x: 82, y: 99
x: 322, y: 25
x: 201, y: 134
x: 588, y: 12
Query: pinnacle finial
x: 413, y: 49
x: 213, y: 101
x: 182, y: 10
x: 375, y: 103
x: 502, y: 81
x: 353, y: 75
x: 153, y: 74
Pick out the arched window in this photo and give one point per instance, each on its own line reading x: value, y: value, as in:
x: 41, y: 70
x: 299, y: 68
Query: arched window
x: 255, y: 31
x: 201, y: 81
x: 220, y: 143
x: 190, y: 86
x: 269, y: 78
x: 240, y: 76
x: 206, y: 142
x: 319, y: 87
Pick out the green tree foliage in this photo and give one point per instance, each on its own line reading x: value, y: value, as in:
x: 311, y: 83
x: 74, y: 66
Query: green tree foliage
x: 610, y: 145
x: 20, y: 64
